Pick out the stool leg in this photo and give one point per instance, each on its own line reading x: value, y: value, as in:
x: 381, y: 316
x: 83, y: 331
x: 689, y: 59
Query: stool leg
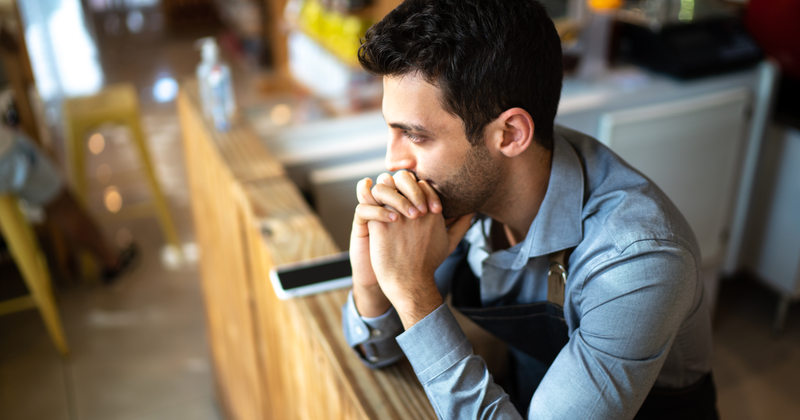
x: 76, y: 152
x: 164, y: 217
x: 31, y: 263
x: 60, y: 249
x: 75, y: 160
x: 780, y: 314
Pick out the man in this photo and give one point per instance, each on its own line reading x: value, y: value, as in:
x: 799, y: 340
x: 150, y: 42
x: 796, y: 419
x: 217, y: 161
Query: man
x: 541, y: 235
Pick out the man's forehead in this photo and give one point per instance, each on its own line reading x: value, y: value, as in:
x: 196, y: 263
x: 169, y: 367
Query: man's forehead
x: 410, y: 102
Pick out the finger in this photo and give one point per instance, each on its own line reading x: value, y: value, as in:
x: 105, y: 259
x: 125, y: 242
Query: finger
x: 406, y: 183
x: 388, y: 196
x: 386, y: 179
x: 458, y: 229
x: 363, y: 192
x: 366, y: 213
x: 434, y: 204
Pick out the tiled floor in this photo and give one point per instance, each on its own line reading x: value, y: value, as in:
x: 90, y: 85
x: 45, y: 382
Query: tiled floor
x: 139, y: 349
x: 757, y: 373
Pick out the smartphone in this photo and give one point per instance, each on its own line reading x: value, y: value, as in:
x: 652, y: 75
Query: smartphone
x: 312, y: 276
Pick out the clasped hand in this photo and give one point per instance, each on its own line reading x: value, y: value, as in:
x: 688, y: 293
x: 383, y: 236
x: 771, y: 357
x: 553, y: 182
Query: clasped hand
x: 399, y: 239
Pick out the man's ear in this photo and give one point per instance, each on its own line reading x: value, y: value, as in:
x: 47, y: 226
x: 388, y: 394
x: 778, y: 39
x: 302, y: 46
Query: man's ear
x: 512, y: 132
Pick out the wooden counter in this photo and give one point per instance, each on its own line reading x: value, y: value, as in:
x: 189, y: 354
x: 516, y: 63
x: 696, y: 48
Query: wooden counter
x: 274, y: 359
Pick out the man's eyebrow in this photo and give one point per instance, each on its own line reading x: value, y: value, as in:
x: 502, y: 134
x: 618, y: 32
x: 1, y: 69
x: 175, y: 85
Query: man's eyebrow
x: 410, y: 127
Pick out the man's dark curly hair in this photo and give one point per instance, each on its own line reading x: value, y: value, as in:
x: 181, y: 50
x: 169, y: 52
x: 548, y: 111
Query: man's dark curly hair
x: 486, y: 56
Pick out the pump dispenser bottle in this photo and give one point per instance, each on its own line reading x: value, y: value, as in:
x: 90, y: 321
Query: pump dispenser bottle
x: 216, y: 88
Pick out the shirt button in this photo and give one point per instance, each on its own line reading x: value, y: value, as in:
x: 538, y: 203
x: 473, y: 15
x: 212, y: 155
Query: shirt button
x: 374, y: 359
x: 377, y: 333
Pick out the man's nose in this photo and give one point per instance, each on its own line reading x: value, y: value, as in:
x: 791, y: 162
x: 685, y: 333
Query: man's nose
x: 398, y: 156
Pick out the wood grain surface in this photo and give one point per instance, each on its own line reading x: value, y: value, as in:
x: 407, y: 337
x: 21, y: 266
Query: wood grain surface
x: 274, y: 359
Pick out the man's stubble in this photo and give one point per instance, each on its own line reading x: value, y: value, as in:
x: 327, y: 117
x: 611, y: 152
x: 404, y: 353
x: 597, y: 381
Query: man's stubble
x: 468, y: 189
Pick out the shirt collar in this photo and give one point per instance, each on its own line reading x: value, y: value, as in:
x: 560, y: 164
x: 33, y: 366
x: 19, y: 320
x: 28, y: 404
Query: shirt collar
x: 558, y: 224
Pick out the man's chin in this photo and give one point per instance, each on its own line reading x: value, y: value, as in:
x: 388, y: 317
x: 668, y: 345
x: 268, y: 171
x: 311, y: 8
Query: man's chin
x: 451, y: 209
x: 453, y: 213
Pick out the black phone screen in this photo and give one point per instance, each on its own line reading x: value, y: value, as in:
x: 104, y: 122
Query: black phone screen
x: 318, y: 273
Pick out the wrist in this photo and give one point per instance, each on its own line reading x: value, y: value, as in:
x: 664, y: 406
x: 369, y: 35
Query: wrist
x: 415, y: 306
x: 370, y: 301
x: 410, y: 315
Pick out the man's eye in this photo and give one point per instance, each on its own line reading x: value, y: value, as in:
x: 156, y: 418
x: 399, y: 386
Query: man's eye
x: 412, y: 137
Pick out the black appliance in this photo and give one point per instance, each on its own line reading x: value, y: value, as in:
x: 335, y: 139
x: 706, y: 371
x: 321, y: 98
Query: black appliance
x: 688, y: 50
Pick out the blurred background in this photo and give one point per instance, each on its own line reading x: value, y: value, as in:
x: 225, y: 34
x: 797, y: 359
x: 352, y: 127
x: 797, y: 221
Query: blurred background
x: 701, y: 95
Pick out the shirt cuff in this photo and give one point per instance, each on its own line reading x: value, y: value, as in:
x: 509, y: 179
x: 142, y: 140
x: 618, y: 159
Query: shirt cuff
x: 374, y: 335
x: 434, y: 344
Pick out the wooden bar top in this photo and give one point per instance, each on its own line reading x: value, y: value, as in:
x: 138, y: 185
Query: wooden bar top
x: 274, y: 359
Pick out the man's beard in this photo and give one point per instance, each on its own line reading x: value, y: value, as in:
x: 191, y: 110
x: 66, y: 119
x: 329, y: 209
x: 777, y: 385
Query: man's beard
x: 471, y: 185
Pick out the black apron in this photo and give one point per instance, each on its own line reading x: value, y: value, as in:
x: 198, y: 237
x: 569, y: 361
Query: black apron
x: 535, y: 333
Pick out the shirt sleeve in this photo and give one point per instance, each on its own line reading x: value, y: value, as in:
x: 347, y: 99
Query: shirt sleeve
x: 373, y: 339
x: 456, y: 380
x: 631, y: 309
x: 374, y: 336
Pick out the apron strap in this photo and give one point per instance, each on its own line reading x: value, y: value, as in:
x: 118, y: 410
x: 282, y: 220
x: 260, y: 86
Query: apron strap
x: 557, y: 278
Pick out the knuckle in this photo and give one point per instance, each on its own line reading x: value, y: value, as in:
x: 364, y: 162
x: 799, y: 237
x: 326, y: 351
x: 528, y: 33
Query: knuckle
x: 384, y: 178
x: 415, y: 194
x: 410, y: 175
x: 363, y: 209
x: 405, y: 176
x: 379, y: 190
x: 362, y: 187
x: 364, y: 197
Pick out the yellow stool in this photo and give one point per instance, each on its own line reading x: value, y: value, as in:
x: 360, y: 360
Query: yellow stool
x: 31, y: 263
x: 114, y: 104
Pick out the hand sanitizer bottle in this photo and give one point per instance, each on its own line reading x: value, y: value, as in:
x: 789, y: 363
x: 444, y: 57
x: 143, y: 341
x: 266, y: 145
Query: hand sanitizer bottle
x: 216, y: 89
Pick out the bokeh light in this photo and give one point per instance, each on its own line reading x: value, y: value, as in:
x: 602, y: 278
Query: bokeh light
x: 135, y: 21
x: 112, y: 199
x: 281, y: 114
x: 165, y: 89
x: 97, y: 143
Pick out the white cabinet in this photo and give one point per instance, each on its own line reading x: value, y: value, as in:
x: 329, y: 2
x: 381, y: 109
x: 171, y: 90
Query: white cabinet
x: 778, y: 259
x: 690, y: 148
x: 772, y: 246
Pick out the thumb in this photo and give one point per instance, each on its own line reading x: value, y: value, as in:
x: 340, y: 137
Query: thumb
x: 458, y: 229
x: 360, y: 229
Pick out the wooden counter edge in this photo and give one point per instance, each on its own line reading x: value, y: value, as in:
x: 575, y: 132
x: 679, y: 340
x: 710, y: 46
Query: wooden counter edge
x: 389, y: 393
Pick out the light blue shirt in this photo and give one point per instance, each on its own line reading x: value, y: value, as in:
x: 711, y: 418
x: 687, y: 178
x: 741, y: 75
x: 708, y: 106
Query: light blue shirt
x: 25, y: 171
x: 634, y: 301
